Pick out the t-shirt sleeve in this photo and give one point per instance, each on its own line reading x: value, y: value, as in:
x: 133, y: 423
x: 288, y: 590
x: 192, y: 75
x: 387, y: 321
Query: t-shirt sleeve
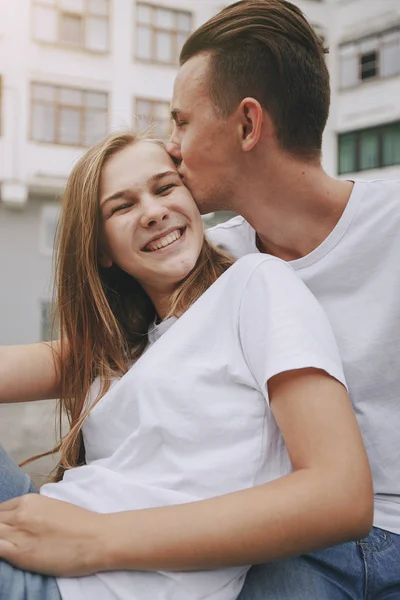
x: 282, y: 327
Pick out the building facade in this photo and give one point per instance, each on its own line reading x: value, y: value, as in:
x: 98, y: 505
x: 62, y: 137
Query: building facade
x: 73, y: 70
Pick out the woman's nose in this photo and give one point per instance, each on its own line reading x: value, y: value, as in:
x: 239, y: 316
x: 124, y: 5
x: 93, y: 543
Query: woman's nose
x: 153, y: 212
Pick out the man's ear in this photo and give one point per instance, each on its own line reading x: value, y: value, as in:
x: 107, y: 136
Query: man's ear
x: 251, y: 116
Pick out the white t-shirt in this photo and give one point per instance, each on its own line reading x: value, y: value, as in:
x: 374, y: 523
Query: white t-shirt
x: 355, y: 275
x: 191, y: 419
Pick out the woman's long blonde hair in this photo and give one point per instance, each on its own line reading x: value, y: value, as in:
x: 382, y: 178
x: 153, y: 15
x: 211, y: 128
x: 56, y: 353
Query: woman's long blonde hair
x: 103, y: 314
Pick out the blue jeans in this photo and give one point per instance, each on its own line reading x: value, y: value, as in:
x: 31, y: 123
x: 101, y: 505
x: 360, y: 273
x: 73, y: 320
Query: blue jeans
x: 16, y: 584
x: 365, y: 570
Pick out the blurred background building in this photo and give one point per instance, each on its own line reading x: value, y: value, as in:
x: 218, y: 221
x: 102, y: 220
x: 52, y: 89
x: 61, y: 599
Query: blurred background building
x: 73, y: 70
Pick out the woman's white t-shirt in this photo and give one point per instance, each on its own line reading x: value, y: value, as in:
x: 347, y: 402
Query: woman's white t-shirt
x: 191, y: 418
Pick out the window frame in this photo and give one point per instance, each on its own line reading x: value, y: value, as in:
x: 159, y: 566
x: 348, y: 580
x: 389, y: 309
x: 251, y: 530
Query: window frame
x: 379, y: 131
x: 58, y: 105
x: 154, y: 102
x: 381, y: 43
x: 154, y: 29
x: 84, y: 15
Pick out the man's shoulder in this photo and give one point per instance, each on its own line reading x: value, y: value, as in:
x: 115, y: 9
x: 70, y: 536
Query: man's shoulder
x: 258, y: 269
x: 237, y: 223
x: 236, y: 236
x: 388, y: 189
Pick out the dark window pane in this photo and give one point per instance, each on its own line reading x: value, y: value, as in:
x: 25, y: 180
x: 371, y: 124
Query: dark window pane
x: 369, y: 150
x: 391, y: 145
x: 347, y: 153
x: 369, y: 65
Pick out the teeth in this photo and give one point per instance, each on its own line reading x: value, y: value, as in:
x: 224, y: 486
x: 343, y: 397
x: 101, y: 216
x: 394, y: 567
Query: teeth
x: 165, y: 241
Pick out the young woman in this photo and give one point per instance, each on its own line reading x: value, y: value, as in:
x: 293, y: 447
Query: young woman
x: 210, y: 425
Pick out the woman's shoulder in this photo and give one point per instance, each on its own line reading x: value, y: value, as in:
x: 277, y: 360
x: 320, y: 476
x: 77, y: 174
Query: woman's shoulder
x: 259, y: 265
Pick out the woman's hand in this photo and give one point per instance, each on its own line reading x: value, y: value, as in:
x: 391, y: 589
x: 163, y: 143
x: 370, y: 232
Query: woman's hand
x: 50, y: 537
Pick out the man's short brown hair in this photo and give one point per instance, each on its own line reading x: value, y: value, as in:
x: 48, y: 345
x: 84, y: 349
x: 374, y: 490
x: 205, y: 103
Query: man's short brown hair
x: 267, y: 50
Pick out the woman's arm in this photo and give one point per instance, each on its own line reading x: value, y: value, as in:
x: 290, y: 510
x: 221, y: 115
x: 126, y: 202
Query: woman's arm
x: 327, y: 500
x: 28, y: 372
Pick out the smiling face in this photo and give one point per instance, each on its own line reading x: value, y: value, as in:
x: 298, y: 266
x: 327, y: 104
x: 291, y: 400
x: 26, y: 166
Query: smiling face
x: 150, y: 225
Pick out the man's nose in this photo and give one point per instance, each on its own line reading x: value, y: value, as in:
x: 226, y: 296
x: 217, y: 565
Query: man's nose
x: 174, y: 151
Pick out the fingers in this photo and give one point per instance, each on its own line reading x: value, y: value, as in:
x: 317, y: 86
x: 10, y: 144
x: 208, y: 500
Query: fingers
x: 6, y: 519
x: 6, y: 545
x: 6, y: 549
x: 10, y: 504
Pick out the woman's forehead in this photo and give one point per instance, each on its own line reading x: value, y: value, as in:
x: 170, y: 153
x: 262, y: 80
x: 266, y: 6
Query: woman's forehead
x: 144, y: 155
x: 134, y: 165
x: 156, y: 149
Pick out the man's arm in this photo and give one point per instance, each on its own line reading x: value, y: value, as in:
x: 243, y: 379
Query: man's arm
x: 29, y: 372
x: 327, y: 500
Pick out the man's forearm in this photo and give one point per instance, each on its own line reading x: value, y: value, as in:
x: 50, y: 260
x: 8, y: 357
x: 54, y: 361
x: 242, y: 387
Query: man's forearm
x: 298, y: 513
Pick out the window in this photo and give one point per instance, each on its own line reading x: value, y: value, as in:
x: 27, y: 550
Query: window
x: 390, y: 54
x: 155, y: 115
x: 160, y: 33
x: 373, y: 57
x: 369, y: 65
x: 49, y: 326
x: 68, y: 116
x: 78, y: 23
x: 370, y: 148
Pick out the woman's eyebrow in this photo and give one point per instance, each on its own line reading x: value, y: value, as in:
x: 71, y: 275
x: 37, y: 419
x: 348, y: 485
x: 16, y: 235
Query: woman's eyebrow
x: 130, y: 191
x: 158, y: 176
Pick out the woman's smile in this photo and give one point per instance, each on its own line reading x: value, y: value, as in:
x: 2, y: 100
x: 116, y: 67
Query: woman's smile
x: 165, y: 240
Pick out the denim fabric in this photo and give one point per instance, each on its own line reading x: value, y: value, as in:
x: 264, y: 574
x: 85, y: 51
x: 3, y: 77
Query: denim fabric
x: 14, y: 583
x: 365, y: 570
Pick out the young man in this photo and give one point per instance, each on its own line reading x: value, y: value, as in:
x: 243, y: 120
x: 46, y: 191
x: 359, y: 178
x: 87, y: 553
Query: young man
x: 250, y: 105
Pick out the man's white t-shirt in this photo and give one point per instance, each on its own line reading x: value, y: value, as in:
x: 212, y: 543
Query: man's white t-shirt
x: 355, y: 275
x: 191, y: 419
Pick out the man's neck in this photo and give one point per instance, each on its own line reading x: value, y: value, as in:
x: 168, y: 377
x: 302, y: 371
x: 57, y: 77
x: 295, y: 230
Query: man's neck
x: 295, y: 213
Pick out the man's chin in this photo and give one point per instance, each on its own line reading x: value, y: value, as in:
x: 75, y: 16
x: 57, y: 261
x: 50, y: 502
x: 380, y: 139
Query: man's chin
x: 205, y: 209
x: 205, y: 205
